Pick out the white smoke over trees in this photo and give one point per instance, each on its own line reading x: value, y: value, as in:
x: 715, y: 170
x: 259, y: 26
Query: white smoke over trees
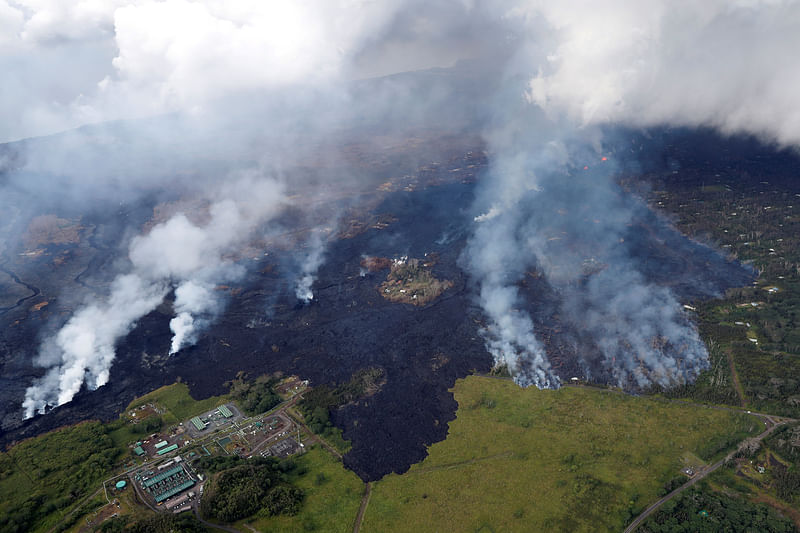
x: 644, y: 64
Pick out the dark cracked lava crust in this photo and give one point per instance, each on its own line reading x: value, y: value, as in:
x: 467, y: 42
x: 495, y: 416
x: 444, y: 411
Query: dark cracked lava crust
x: 349, y: 326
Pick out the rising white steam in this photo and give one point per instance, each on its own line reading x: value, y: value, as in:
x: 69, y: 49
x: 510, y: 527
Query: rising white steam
x: 729, y: 64
x: 194, y: 301
x: 175, y: 254
x: 313, y: 257
x: 83, y: 349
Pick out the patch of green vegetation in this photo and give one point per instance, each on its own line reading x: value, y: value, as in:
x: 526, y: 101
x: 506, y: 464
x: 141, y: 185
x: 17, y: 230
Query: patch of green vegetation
x: 568, y: 460
x: 254, y: 397
x: 256, y: 484
x: 160, y: 523
x: 43, y: 479
x: 701, y: 509
x: 786, y: 443
x: 769, y: 371
x: 411, y: 281
x: 178, y: 402
x: 319, y: 402
x: 332, y: 497
x: 123, y: 432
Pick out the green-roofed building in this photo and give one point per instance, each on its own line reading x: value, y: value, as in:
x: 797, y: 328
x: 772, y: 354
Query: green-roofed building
x: 199, y: 424
x: 170, y: 448
x: 161, y: 444
x: 162, y: 476
x: 138, y: 451
x: 224, y: 411
x: 174, y: 490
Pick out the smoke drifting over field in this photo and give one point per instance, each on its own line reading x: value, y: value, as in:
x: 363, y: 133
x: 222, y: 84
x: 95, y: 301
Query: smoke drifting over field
x: 243, y: 91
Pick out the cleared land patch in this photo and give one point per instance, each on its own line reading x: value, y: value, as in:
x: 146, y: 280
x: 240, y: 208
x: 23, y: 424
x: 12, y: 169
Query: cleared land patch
x: 568, y: 460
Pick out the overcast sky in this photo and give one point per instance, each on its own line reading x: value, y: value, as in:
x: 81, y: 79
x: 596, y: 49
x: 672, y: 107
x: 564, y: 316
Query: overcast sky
x: 732, y: 64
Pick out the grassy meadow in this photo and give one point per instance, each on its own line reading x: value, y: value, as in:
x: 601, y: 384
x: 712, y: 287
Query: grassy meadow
x: 568, y: 460
x: 332, y: 497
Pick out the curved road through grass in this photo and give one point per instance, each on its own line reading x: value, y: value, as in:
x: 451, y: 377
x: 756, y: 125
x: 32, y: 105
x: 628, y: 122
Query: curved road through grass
x: 700, y: 475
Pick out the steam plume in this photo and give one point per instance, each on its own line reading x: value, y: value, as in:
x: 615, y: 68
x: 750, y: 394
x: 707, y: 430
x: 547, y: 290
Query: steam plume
x: 569, y: 65
x: 195, y: 303
x: 176, y: 253
x: 309, y: 266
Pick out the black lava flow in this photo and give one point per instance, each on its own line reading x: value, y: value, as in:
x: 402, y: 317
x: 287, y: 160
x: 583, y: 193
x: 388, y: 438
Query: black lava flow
x: 348, y: 327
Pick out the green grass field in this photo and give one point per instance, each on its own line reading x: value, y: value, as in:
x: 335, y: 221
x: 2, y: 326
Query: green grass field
x: 332, y: 497
x: 178, y: 402
x: 529, y: 460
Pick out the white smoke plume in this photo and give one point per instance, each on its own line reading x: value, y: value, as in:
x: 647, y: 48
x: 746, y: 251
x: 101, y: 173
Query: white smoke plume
x: 498, y: 262
x: 194, y: 301
x: 83, y: 349
x: 175, y: 254
x: 310, y: 263
x: 729, y: 64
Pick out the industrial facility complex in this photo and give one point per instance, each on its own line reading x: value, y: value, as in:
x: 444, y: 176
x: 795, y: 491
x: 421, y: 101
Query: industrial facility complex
x: 215, y: 419
x: 164, y: 485
x: 166, y: 478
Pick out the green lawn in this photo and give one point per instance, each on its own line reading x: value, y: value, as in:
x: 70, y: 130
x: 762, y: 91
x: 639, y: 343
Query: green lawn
x: 178, y: 402
x: 332, y: 497
x: 529, y: 460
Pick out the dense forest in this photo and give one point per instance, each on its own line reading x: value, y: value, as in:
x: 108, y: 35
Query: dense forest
x: 246, y: 487
x: 703, y: 510
x: 751, y: 212
x: 786, y: 442
x: 160, y: 523
x: 256, y: 396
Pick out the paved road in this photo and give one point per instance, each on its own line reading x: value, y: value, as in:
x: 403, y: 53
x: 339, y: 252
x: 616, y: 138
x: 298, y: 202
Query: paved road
x: 700, y: 475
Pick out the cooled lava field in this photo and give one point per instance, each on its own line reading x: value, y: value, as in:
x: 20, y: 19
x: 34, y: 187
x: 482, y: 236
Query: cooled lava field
x: 348, y: 326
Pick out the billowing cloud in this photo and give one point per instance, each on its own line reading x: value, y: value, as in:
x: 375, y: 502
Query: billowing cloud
x: 727, y: 64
